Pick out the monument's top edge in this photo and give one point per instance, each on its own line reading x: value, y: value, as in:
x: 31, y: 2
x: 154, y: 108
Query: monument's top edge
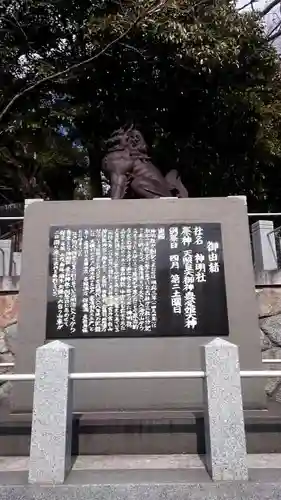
x: 228, y: 199
x: 164, y: 210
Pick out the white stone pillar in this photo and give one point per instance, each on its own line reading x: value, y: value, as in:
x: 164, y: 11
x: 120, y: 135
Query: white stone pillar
x: 5, y: 257
x: 50, y: 449
x: 224, y: 421
x: 264, y: 246
x: 16, y: 264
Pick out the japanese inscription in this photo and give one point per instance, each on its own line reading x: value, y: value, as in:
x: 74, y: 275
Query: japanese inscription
x: 142, y: 280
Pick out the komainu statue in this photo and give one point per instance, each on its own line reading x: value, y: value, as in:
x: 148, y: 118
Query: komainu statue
x: 132, y: 174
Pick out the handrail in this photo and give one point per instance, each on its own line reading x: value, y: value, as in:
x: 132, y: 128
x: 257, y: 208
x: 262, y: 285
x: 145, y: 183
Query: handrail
x: 260, y: 373
x: 182, y: 374
x: 20, y: 377
x: 269, y: 361
x: 12, y: 218
x: 139, y: 375
x: 264, y: 214
x: 170, y: 375
x: 135, y: 375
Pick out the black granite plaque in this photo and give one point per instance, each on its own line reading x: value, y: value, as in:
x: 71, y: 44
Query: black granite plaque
x: 136, y: 281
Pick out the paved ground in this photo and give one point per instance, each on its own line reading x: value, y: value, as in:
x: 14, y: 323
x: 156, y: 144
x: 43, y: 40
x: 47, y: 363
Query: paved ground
x: 211, y: 491
x: 143, y: 477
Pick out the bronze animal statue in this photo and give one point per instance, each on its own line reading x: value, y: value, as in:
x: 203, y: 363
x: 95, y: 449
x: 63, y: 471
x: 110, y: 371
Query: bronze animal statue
x: 132, y: 174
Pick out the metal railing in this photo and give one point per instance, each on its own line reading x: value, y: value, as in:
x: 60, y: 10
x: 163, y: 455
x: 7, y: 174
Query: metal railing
x: 23, y: 377
x: 264, y: 214
x: 136, y: 375
x: 268, y: 361
x: 12, y: 232
x: 19, y: 377
x: 154, y: 375
x: 165, y: 375
x: 12, y: 218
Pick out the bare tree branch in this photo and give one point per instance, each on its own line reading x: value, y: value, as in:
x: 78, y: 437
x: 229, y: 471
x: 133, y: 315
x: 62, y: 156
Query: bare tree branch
x: 247, y: 4
x: 274, y: 36
x: 19, y: 27
x: 147, y: 12
x: 15, y: 24
x: 269, y: 7
x: 276, y: 27
x: 135, y: 49
x: 275, y: 32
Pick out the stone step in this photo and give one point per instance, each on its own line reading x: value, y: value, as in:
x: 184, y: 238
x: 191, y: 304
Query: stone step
x: 183, y: 462
x: 177, y: 471
x: 144, y: 433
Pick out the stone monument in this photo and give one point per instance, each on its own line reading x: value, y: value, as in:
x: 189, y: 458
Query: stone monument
x: 137, y: 285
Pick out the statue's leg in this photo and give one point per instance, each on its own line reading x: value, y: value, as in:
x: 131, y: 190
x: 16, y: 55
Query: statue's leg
x: 146, y: 188
x: 174, y: 182
x: 118, y: 185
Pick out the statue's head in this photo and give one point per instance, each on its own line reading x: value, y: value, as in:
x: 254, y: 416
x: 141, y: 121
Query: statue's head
x: 136, y: 141
x: 128, y: 138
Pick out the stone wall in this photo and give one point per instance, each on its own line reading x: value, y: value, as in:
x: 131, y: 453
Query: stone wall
x: 269, y: 304
x: 8, y: 335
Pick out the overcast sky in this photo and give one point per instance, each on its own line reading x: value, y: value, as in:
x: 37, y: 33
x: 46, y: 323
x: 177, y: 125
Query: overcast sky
x: 259, y: 4
x: 270, y: 20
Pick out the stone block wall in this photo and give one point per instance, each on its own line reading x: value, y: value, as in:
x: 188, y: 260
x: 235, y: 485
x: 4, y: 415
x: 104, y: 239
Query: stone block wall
x: 269, y: 304
x: 8, y: 335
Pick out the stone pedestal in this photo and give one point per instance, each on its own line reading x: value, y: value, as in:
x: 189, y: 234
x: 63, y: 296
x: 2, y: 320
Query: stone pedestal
x: 225, y: 433
x: 50, y: 449
x: 5, y: 257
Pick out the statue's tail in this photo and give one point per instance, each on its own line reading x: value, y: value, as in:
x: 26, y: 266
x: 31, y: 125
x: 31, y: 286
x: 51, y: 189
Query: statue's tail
x: 174, y: 182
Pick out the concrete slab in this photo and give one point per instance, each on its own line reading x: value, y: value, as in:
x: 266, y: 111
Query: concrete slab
x: 139, y: 462
x: 138, y: 476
